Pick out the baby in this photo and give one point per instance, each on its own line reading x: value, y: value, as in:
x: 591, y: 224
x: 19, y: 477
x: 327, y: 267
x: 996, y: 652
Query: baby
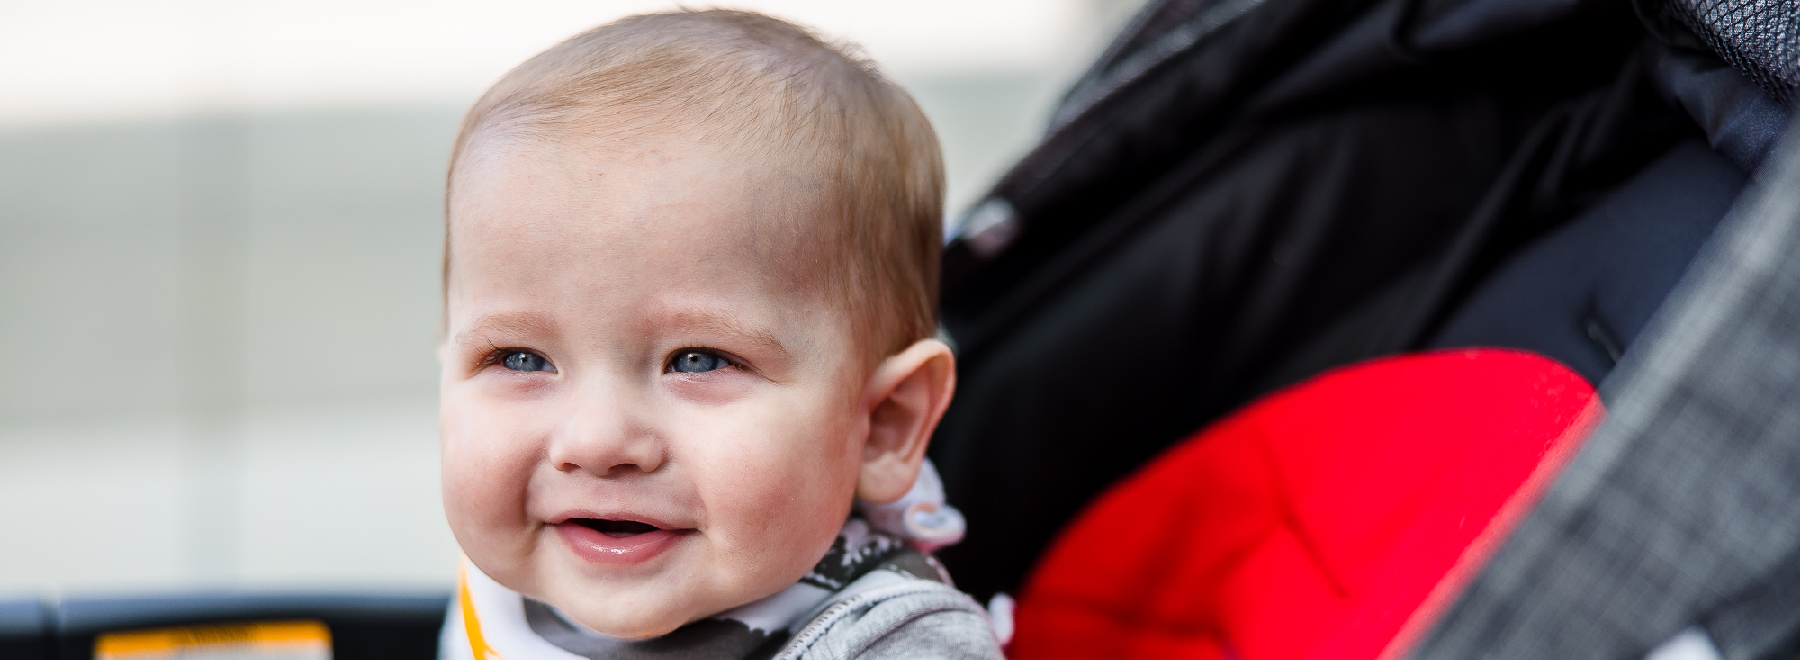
x: 690, y: 297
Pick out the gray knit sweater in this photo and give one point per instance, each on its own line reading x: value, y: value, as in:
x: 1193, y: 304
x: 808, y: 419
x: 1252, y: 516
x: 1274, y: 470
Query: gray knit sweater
x: 910, y: 619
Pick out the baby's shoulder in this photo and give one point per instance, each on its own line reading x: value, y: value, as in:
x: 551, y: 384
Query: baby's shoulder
x: 905, y: 618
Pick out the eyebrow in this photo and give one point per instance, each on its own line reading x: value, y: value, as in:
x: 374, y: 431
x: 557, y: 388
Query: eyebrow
x: 726, y: 324
x: 507, y: 323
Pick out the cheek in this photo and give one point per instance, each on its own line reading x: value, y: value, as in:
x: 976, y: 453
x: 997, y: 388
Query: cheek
x: 778, y: 487
x: 485, y: 465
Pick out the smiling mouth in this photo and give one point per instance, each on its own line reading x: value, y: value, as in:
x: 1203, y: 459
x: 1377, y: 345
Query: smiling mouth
x: 617, y: 529
x: 618, y: 543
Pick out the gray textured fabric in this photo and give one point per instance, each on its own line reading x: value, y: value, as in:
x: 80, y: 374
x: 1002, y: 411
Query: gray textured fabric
x: 942, y: 634
x: 1759, y: 37
x: 1684, y: 506
x: 915, y: 619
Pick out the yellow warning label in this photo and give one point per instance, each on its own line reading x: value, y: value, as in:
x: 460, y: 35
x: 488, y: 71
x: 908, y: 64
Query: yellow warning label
x: 263, y: 640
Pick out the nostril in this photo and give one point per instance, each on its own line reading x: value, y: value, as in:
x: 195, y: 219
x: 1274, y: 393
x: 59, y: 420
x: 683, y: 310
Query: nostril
x: 616, y: 470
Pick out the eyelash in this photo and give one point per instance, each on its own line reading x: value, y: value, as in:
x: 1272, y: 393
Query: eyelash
x: 495, y: 355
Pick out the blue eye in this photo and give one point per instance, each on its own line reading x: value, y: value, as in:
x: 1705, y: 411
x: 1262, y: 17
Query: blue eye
x: 693, y: 361
x: 525, y: 361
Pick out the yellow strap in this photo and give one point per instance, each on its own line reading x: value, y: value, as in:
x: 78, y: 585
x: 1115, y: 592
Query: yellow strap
x: 471, y: 624
x: 246, y: 638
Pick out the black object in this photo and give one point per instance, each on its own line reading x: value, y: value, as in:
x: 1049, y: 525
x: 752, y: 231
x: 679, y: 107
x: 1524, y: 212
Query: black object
x: 1243, y: 193
x: 363, y: 626
x: 1583, y: 293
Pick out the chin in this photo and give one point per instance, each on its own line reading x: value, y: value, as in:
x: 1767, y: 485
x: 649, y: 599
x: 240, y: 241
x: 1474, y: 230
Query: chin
x: 632, y: 622
x: 631, y: 629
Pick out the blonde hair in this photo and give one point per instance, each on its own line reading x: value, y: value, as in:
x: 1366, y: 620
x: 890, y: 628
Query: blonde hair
x: 779, y: 92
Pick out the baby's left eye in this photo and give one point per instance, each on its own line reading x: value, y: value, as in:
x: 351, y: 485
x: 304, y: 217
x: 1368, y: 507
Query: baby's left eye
x: 696, y: 361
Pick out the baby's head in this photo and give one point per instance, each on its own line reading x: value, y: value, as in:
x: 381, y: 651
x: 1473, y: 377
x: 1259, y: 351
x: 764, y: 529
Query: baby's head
x: 690, y: 290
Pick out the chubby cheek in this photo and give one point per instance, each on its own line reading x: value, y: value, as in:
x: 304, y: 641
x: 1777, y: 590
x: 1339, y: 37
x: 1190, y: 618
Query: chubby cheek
x: 486, y: 464
x: 777, y: 492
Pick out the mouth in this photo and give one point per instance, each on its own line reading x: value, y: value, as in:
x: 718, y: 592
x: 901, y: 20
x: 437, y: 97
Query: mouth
x: 617, y: 542
x: 617, y: 529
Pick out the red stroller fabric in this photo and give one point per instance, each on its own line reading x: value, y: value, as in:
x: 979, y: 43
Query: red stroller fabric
x: 1335, y: 519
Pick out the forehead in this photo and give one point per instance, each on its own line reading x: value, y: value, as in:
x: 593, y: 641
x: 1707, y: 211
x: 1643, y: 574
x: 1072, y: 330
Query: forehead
x: 585, y: 221
x: 633, y: 188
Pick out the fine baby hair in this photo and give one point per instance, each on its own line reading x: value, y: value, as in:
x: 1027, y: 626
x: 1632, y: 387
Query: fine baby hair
x: 848, y: 141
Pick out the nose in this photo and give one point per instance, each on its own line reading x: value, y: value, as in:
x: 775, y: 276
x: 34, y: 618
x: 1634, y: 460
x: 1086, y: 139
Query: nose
x: 600, y: 435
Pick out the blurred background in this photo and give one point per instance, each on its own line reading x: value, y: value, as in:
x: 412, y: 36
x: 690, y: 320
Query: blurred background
x: 220, y: 227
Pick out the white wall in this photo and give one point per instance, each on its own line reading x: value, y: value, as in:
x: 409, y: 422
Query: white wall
x: 220, y: 225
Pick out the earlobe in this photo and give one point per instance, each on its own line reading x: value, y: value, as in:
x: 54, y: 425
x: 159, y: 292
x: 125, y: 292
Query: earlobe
x: 906, y: 396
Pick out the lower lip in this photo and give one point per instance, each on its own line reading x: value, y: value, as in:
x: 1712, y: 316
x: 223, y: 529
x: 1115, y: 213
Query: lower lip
x: 599, y: 548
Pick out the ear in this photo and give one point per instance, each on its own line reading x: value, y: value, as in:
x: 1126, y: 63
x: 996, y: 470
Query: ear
x: 904, y: 398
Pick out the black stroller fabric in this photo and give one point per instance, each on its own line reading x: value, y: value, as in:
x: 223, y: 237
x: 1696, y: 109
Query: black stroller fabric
x: 1583, y: 292
x: 1243, y: 193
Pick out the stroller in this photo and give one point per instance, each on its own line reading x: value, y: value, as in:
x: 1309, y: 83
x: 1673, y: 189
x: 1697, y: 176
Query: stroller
x: 1241, y: 196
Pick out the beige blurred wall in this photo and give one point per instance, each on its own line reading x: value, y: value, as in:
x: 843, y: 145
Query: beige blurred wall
x: 222, y: 325
x: 242, y: 309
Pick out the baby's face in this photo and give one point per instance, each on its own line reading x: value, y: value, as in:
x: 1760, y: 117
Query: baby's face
x: 640, y: 425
